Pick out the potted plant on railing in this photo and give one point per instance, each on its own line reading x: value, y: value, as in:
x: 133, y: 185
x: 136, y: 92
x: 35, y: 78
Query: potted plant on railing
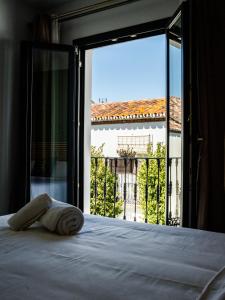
x: 125, y: 160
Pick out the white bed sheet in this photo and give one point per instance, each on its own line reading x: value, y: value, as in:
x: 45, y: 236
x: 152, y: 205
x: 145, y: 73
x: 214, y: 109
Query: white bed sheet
x: 111, y: 260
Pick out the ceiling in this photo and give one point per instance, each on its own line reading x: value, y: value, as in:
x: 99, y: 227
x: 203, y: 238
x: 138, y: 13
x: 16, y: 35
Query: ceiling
x: 47, y: 4
x: 51, y: 4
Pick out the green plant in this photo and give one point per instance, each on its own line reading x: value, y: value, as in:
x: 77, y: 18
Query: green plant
x: 128, y: 152
x: 98, y: 173
x: 151, y: 178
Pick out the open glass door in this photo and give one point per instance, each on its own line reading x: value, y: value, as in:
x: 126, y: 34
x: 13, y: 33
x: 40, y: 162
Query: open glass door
x: 50, y: 136
x: 176, y: 117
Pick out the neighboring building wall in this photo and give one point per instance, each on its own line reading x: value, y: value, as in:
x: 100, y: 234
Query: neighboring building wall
x: 108, y: 134
x: 175, y: 144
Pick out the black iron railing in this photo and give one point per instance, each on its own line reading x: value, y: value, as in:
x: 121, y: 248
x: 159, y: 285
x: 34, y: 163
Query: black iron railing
x: 134, y: 189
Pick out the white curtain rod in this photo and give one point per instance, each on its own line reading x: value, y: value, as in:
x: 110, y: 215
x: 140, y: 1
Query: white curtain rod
x: 90, y: 9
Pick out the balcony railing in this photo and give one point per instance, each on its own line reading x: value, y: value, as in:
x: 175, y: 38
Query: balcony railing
x: 135, y: 189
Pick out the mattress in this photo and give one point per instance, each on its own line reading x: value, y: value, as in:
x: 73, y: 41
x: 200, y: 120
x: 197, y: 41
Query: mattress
x: 111, y: 259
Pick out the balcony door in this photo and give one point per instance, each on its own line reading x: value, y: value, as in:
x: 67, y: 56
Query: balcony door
x: 50, y: 122
x: 177, y: 118
x: 177, y: 102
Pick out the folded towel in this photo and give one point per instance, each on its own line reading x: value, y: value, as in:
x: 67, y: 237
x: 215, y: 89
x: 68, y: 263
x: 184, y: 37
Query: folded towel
x: 63, y: 218
x: 30, y: 213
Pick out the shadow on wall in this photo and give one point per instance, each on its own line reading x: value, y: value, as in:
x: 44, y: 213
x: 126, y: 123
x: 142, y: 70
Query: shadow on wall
x: 9, y: 124
x: 15, y: 16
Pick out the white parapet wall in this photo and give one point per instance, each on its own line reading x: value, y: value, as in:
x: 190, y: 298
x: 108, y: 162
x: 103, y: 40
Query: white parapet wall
x: 108, y: 134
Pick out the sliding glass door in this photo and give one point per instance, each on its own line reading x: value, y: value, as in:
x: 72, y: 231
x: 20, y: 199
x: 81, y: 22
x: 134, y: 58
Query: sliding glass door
x: 51, y: 130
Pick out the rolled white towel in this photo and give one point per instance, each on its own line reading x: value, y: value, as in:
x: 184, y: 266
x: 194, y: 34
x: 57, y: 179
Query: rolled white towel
x: 30, y: 213
x: 63, y: 218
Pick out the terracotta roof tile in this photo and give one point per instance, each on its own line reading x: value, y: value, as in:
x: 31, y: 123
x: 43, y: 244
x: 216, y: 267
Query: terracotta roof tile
x: 128, y: 109
x: 151, y: 109
x: 175, y: 114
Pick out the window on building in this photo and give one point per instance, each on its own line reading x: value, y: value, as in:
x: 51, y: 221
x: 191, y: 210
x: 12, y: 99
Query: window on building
x: 138, y: 143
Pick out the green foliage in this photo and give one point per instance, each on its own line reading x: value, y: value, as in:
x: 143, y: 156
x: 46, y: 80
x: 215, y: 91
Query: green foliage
x: 100, y: 180
x: 152, y: 205
x: 129, y: 152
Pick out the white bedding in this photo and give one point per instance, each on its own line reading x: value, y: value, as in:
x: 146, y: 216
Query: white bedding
x: 111, y: 260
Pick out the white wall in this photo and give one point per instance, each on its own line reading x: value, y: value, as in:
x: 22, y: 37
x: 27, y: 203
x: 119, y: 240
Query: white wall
x: 119, y: 17
x: 175, y: 144
x: 108, y: 134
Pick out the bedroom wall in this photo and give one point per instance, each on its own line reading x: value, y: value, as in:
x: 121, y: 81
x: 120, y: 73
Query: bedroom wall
x: 124, y: 16
x: 14, y: 17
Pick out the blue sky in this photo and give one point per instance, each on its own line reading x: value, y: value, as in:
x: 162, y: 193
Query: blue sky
x: 132, y: 70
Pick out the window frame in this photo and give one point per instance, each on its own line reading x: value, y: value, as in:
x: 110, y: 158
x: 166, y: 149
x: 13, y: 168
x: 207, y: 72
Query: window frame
x: 131, y: 33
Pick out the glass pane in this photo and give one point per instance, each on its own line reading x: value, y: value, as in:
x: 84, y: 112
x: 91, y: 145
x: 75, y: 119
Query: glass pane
x: 175, y: 122
x: 49, y: 161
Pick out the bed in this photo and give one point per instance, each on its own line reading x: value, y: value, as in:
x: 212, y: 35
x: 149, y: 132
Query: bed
x: 111, y: 259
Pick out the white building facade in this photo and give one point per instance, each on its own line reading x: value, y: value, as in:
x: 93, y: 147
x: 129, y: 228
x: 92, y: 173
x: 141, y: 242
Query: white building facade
x: 138, y: 124
x: 120, y: 135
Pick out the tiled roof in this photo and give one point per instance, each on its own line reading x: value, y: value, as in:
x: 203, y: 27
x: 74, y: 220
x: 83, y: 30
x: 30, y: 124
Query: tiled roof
x: 175, y: 114
x: 151, y: 108
x: 136, y: 111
